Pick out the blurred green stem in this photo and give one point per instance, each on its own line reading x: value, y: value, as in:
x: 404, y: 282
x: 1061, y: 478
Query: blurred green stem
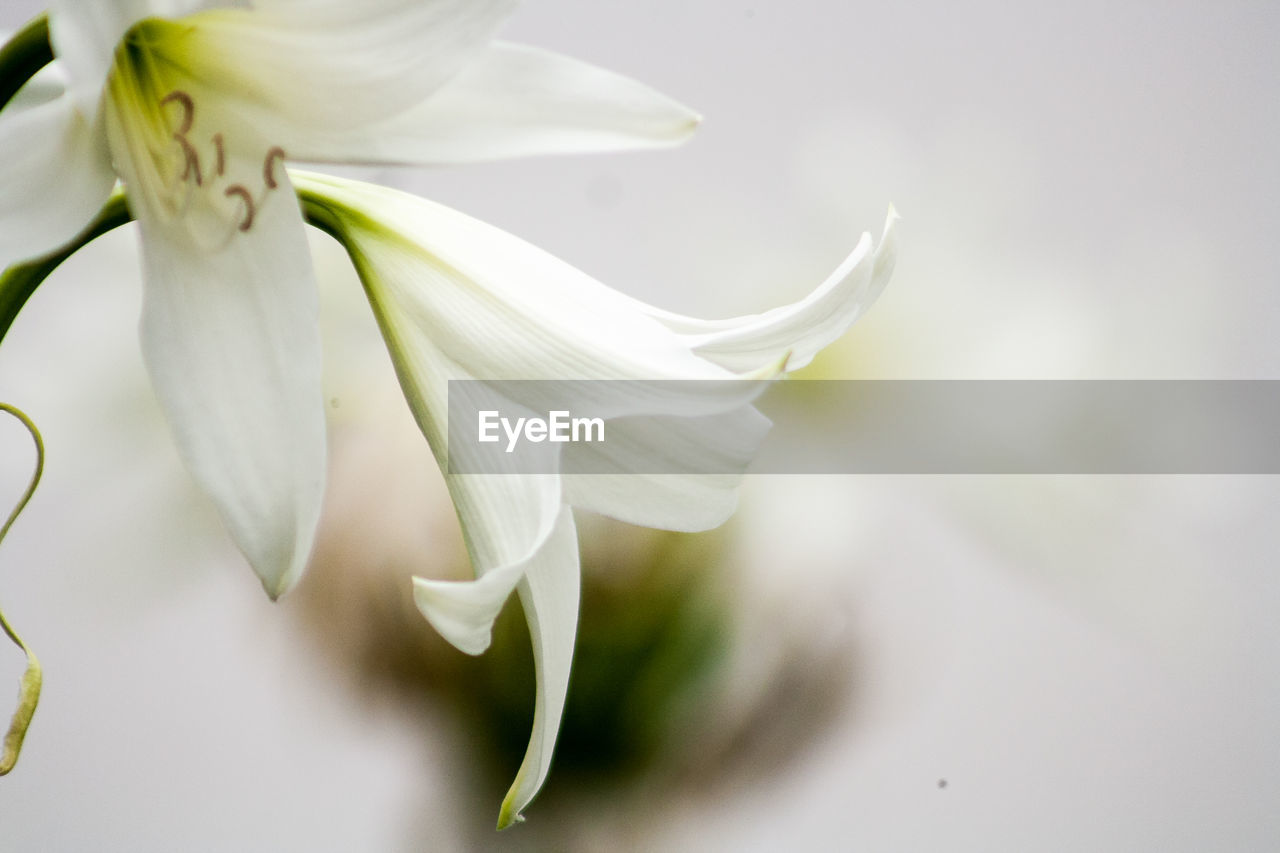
x: 22, y: 56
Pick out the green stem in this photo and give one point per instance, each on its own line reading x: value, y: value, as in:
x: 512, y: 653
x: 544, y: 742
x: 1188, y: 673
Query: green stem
x: 32, y: 678
x: 19, y: 281
x: 22, y: 56
x: 319, y: 213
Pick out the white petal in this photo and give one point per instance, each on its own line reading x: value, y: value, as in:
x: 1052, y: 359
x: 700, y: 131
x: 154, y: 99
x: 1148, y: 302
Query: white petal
x: 506, y: 522
x: 455, y: 299
x: 549, y: 593
x: 48, y: 84
x: 230, y: 336
x: 511, y: 101
x: 340, y: 14
x: 507, y: 309
x: 463, y: 611
x: 803, y: 328
x: 454, y: 291
x: 505, y: 516
x: 517, y: 530
x: 497, y: 305
x: 56, y: 175
x: 304, y: 68
x: 458, y: 299
x: 84, y: 34
x: 686, y: 503
x: 670, y: 473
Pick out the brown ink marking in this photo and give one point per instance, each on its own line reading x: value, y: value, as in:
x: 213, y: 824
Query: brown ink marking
x: 275, y: 155
x: 249, y: 205
x: 222, y: 155
x: 188, y: 109
x: 188, y: 119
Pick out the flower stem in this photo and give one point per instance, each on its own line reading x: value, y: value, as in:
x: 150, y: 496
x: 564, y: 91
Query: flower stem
x: 19, y: 281
x: 32, y: 678
x: 22, y: 56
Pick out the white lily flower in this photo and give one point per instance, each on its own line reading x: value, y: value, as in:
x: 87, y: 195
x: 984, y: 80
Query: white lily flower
x: 457, y: 299
x: 195, y: 106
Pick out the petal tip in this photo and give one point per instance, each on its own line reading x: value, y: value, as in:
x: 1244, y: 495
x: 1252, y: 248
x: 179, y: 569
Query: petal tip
x: 276, y: 587
x: 278, y: 573
x: 774, y: 369
x: 463, y: 612
x: 692, y: 122
x: 508, y: 817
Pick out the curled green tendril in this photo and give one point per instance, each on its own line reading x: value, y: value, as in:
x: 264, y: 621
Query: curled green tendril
x: 29, y: 692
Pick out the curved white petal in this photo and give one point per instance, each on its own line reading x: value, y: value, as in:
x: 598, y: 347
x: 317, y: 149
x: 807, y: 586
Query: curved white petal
x: 340, y: 14
x: 689, y: 503
x: 505, y: 516
x: 517, y: 529
x: 671, y: 473
x: 457, y: 299
x: 510, y: 101
x: 449, y: 292
x: 549, y: 593
x: 230, y: 336
x: 56, y: 175
x: 802, y: 328
x: 464, y: 611
x: 886, y: 258
x: 452, y: 291
x: 499, y: 306
x: 307, y: 68
x: 48, y: 84
x: 85, y: 33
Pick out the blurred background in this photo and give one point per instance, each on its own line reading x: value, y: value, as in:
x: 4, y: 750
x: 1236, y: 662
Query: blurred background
x: 1088, y: 190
